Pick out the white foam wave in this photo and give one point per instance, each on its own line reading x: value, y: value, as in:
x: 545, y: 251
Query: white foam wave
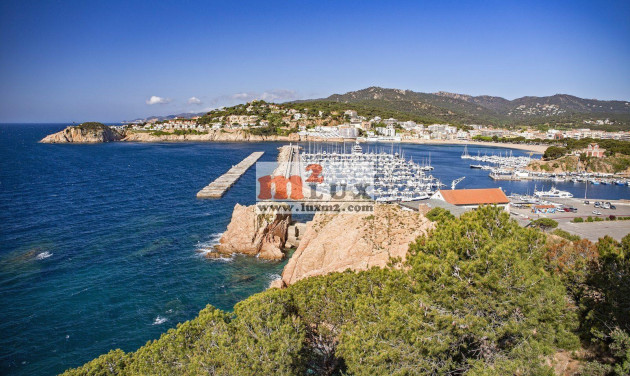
x: 209, y: 244
x: 43, y: 255
x: 203, y: 248
x: 273, y: 277
x: 159, y: 320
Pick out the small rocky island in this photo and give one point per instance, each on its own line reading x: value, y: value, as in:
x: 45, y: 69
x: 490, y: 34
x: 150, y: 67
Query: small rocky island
x: 88, y: 133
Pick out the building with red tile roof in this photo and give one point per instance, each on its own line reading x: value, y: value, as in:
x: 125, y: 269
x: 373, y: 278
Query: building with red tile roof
x: 472, y: 198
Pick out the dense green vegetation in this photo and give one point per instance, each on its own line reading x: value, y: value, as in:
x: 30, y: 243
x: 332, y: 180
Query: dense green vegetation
x: 270, y: 131
x: 544, y: 223
x: 613, y: 147
x: 276, y: 127
x: 370, y: 109
x: 92, y: 125
x: 554, y: 152
x: 479, y: 296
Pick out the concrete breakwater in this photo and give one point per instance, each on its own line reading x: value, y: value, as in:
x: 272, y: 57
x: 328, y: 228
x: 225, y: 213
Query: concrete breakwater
x: 218, y: 187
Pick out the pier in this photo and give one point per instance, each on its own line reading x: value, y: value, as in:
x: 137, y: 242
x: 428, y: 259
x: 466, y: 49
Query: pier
x: 217, y: 188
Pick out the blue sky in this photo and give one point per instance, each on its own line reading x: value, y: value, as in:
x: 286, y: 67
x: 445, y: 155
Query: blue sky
x: 63, y: 61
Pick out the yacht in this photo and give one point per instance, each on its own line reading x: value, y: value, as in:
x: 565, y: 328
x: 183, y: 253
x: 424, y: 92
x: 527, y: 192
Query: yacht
x: 553, y: 192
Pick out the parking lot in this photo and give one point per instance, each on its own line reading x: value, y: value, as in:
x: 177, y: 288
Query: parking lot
x: 589, y: 230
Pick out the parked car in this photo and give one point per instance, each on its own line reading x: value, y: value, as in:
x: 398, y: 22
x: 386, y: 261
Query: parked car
x: 573, y: 210
x: 598, y: 204
x: 597, y: 212
x: 613, y: 207
x: 606, y: 206
x: 587, y: 202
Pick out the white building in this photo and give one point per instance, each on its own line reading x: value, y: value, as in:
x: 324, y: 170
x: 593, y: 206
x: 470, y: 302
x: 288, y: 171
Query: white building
x: 348, y: 132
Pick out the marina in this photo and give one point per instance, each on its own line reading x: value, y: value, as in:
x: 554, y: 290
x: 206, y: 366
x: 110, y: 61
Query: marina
x: 407, y: 172
x: 388, y: 176
x: 509, y: 167
x: 217, y: 188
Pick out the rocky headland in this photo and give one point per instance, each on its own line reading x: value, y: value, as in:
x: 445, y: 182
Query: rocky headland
x: 89, y: 133
x: 254, y: 234
x: 97, y: 132
x: 329, y: 243
x: 336, y: 242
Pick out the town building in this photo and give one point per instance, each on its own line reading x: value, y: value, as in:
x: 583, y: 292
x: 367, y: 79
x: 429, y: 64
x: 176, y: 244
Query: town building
x: 348, y: 132
x: 350, y: 113
x: 388, y: 131
x: 472, y: 198
x: 390, y: 121
x: 593, y: 150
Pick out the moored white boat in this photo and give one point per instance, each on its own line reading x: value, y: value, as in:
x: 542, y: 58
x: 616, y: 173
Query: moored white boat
x: 553, y: 192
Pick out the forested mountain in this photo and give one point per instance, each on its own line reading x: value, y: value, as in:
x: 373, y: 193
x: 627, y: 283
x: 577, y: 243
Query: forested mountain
x: 555, y: 110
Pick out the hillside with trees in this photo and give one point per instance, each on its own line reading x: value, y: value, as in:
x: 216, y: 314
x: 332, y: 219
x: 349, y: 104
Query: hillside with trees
x: 480, y: 295
x: 559, y: 110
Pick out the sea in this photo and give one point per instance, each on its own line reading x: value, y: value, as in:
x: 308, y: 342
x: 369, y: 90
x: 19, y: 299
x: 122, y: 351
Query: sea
x: 101, y: 246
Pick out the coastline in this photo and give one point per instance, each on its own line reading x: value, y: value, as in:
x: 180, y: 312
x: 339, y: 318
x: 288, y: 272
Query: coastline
x: 240, y: 136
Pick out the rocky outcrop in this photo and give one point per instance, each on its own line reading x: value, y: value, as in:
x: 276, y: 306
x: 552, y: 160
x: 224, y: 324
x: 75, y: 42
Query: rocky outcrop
x: 251, y: 233
x: 84, y: 133
x: 294, y: 234
x: 334, y: 243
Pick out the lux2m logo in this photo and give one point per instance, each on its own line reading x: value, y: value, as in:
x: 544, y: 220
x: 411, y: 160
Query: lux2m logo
x: 281, y: 183
x: 296, y: 184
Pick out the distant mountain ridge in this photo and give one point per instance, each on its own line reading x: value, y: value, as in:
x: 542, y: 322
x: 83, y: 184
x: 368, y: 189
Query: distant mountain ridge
x: 559, y: 109
x: 566, y: 101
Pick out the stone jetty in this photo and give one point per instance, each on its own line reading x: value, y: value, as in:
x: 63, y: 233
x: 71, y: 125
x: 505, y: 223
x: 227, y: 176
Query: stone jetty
x: 218, y: 187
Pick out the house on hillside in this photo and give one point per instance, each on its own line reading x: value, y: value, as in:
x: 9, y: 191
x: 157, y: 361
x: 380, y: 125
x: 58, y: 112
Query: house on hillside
x: 472, y: 198
x: 593, y: 150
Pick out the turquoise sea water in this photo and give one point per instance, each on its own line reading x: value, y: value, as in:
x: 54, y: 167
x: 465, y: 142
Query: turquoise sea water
x: 98, y: 242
